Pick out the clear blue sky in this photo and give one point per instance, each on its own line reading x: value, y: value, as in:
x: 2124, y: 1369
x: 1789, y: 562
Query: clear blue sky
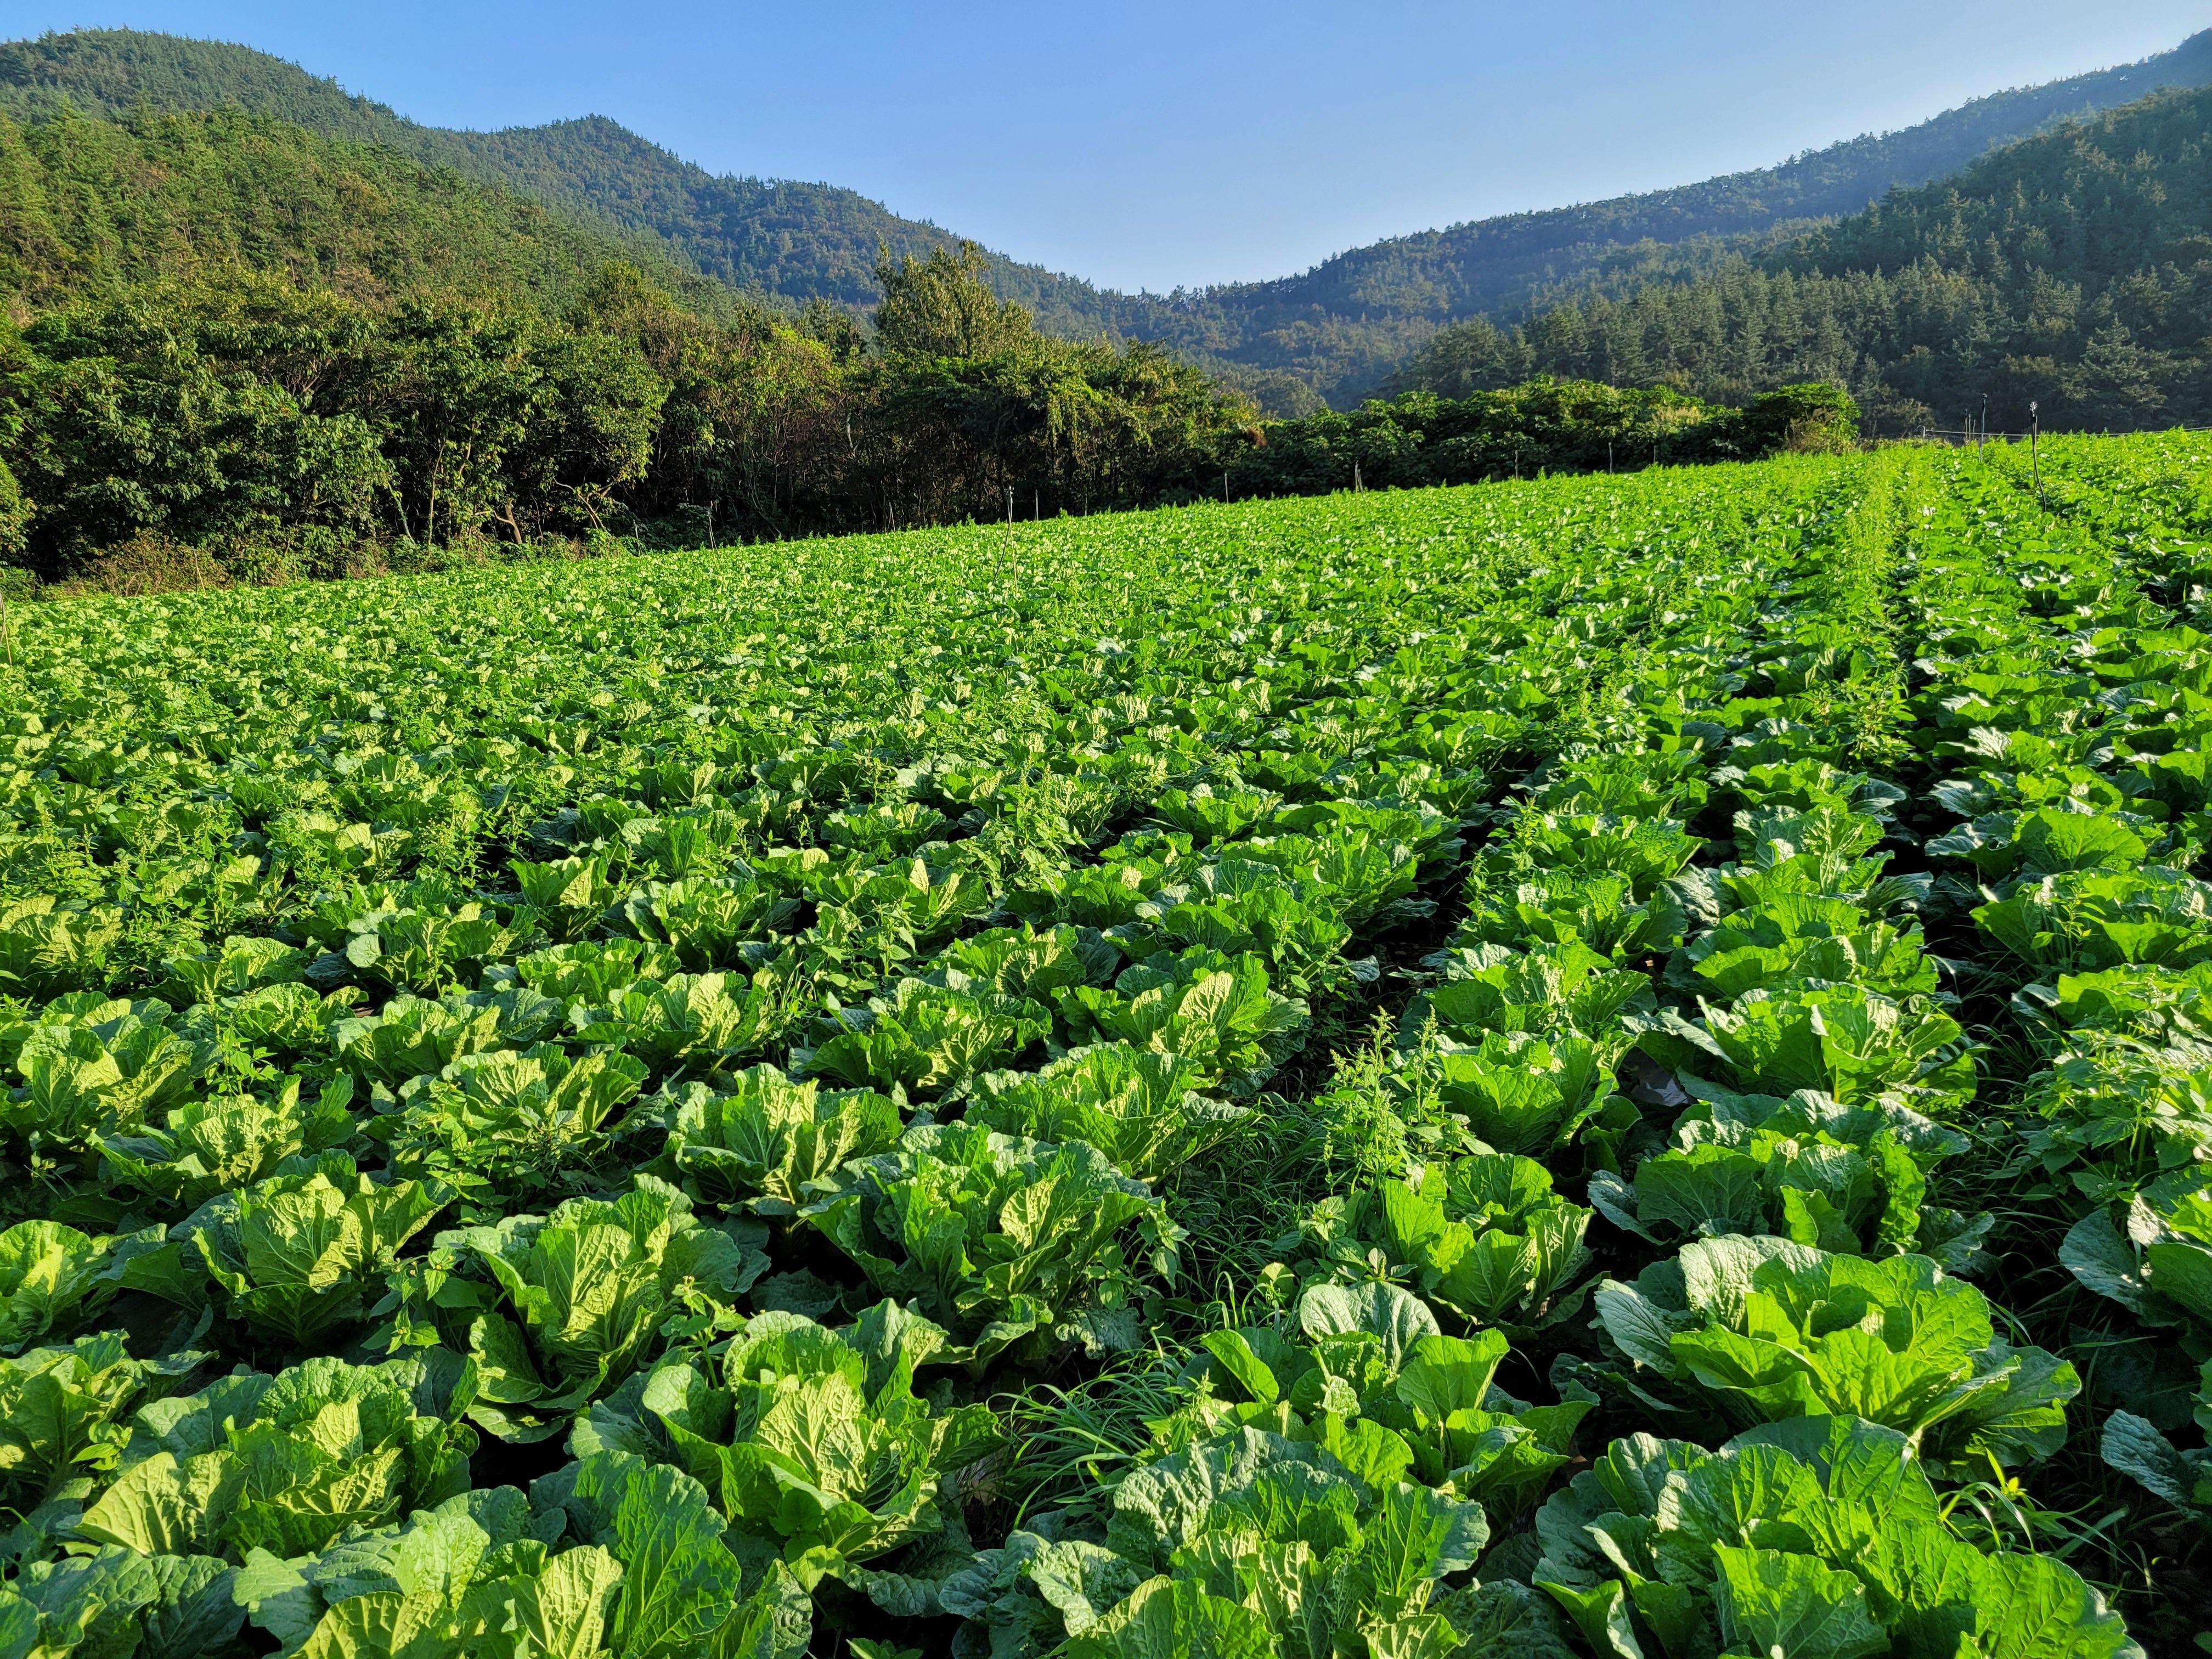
x: 1151, y: 144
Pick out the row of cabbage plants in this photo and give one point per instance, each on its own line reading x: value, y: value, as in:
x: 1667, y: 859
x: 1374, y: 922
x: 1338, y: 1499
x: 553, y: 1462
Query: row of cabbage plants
x: 582, y: 1114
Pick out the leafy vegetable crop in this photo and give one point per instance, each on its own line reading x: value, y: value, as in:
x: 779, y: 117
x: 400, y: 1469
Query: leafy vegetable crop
x: 1614, y: 1068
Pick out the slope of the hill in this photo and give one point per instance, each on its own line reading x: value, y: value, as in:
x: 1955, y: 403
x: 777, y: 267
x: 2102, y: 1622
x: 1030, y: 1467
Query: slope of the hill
x: 1341, y: 326
x: 1333, y: 330
x: 785, y: 238
x: 2073, y: 269
x: 87, y: 205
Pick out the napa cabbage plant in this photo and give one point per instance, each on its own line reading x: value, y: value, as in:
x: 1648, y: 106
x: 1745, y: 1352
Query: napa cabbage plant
x: 1247, y: 907
x: 116, y: 1604
x: 924, y: 901
x: 1002, y: 1240
x: 62, y: 1411
x: 1484, y: 1236
x: 89, y: 1065
x: 1033, y: 963
x: 1562, y: 987
x: 508, y: 1124
x: 1642, y: 851
x: 2085, y: 920
x: 430, y: 951
x: 1356, y: 862
x: 1209, y: 813
x: 767, y: 1143
x: 1522, y: 1094
x: 413, y: 1036
x: 684, y: 1585
x: 927, y: 1039
x: 2047, y: 841
x: 1773, y: 789
x: 709, y: 923
x: 813, y: 1437
x: 2158, y: 1265
x: 690, y: 1022
x: 289, y: 1022
x: 1217, y: 1013
x: 1823, y: 852
x: 1141, y: 1107
x: 606, y: 1558
x: 1797, y: 941
x: 217, y: 1143
x: 1600, y: 913
x: 55, y: 1279
x: 1254, y: 1544
x: 1839, y: 1040
x: 569, y: 895
x: 1630, y: 783
x: 1812, y: 1188
x: 1820, y: 1537
x: 1767, y: 1330
x: 302, y: 1254
x: 886, y: 828
x: 50, y: 947
x: 237, y: 966
x: 558, y: 1309
x: 594, y: 971
x: 1364, y: 1371
x: 287, y: 1463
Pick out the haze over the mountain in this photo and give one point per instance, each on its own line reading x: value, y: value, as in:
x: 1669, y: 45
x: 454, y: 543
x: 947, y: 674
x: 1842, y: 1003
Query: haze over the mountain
x: 1331, y: 332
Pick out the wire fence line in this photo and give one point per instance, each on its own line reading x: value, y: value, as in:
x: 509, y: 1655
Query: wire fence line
x: 1958, y: 435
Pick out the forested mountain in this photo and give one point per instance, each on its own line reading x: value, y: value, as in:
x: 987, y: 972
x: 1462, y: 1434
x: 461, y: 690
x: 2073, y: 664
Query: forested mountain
x: 230, y: 344
x: 1333, y: 331
x: 2073, y: 269
x: 90, y: 205
x: 1342, y: 325
x: 783, y: 238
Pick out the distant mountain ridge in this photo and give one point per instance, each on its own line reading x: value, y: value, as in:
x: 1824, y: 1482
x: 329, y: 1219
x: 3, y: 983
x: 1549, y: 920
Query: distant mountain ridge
x: 2070, y: 271
x: 1331, y: 332
x: 1340, y: 326
x: 787, y: 238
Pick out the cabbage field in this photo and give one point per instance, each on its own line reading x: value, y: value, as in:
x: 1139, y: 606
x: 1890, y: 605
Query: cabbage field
x: 1610, y: 1066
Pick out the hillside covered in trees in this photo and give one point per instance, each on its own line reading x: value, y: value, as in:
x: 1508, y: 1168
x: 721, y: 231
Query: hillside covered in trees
x: 284, y: 348
x: 779, y: 239
x: 286, y: 352
x: 89, y: 205
x: 2073, y: 269
x: 1328, y: 333
x: 220, y: 329
x: 232, y: 349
